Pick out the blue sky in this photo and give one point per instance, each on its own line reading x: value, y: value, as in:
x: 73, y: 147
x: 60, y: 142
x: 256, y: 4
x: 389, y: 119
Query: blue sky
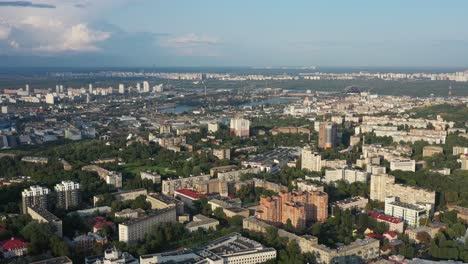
x: 425, y: 33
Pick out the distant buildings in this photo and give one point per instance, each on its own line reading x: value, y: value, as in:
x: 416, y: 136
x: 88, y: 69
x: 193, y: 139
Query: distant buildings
x: 68, y: 194
x: 240, y: 127
x: 35, y: 196
x: 110, y: 177
x: 328, y: 135
x: 213, y: 127
x: 232, y: 248
x: 222, y: 153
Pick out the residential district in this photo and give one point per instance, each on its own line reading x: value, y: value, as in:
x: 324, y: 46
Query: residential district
x: 149, y: 171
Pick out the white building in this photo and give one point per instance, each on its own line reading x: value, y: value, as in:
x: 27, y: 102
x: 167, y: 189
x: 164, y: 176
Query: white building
x: 230, y: 249
x: 112, y: 256
x: 240, y: 127
x: 409, y: 213
x: 310, y: 160
x: 134, y: 230
x: 403, y: 165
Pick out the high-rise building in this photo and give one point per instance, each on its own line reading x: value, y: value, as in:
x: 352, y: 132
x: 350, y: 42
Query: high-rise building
x: 299, y: 208
x: 121, y: 88
x: 310, y: 160
x: 146, y: 87
x: 35, y: 196
x: 240, y: 127
x: 90, y: 89
x: 328, y: 135
x: 68, y: 194
x: 50, y: 99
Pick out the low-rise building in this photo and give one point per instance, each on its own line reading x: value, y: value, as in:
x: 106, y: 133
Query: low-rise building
x: 203, y: 222
x: 41, y: 215
x: 394, y: 224
x: 429, y: 151
x: 161, y: 201
x: 409, y: 213
x: 130, y: 213
x: 112, y: 256
x: 403, y: 165
x: 152, y: 176
x: 356, y: 252
x: 187, y: 196
x: 232, y: 248
x: 14, y: 247
x: 353, y: 203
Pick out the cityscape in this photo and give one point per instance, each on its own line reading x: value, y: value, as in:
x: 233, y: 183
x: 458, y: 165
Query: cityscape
x: 190, y: 158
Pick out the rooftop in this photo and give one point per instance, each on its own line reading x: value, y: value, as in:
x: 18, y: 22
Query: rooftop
x: 385, y: 218
x: 190, y: 193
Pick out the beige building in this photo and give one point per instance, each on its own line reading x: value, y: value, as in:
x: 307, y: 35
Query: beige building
x: 160, y: 201
x: 429, y: 151
x: 134, y: 230
x: 203, y: 222
x: 222, y: 153
x: 169, y: 186
x: 310, y: 160
x: 384, y: 185
x: 403, y: 165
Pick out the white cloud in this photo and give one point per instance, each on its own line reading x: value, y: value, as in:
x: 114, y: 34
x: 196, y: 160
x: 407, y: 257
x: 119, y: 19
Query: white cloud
x: 5, y: 31
x: 192, y: 44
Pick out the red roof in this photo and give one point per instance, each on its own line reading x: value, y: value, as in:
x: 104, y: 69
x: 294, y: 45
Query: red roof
x: 97, y: 219
x: 13, y: 244
x: 392, y: 234
x: 374, y: 235
x: 385, y: 218
x: 191, y: 194
x: 100, y: 225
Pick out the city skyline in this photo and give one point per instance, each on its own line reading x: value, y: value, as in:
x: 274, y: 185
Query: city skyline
x: 47, y: 33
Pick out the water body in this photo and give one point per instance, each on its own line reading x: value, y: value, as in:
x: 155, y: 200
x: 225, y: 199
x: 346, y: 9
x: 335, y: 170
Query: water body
x: 178, y: 109
x: 281, y: 100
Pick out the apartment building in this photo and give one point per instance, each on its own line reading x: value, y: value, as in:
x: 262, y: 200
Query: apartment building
x: 68, y: 194
x: 41, y: 215
x: 311, y: 160
x: 298, y: 207
x: 353, y: 203
x: 35, y: 196
x: 429, y: 151
x: 384, y: 185
x: 240, y: 127
x: 169, y: 186
x: 152, y: 176
x: 203, y: 222
x: 347, y: 175
x: 134, y: 230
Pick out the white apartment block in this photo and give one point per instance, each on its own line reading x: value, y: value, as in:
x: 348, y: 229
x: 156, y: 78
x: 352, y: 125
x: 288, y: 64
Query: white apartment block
x: 134, y: 230
x: 347, y: 175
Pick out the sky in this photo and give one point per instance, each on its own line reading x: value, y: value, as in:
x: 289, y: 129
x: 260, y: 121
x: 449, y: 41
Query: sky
x: 336, y: 33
